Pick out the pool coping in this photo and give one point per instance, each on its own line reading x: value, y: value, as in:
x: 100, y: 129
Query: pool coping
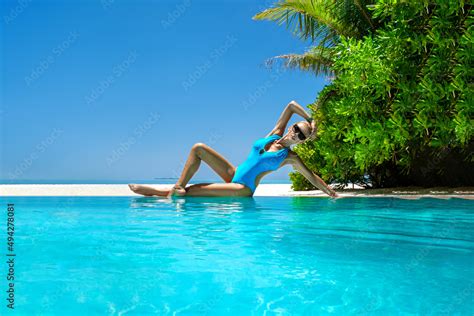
x: 283, y: 190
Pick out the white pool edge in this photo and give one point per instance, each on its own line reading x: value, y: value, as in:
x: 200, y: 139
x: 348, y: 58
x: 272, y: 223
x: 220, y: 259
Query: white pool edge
x: 7, y: 190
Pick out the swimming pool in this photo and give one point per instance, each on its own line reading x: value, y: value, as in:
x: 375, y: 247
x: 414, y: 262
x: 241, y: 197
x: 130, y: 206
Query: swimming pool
x: 242, y: 256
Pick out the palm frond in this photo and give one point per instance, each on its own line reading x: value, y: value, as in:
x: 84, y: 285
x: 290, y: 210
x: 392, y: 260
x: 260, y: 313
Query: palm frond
x: 317, y: 59
x: 354, y: 15
x: 324, y: 20
x: 309, y: 19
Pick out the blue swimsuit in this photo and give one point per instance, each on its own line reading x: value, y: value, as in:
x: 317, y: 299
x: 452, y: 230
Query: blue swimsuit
x: 259, y: 161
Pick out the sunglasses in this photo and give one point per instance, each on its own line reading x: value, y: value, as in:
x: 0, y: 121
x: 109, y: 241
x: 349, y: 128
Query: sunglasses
x: 298, y: 132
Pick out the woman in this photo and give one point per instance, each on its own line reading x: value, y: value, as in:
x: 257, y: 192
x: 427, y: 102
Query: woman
x: 268, y: 154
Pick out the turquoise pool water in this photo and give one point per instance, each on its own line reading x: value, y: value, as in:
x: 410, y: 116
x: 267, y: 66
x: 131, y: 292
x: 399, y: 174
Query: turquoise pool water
x: 242, y: 256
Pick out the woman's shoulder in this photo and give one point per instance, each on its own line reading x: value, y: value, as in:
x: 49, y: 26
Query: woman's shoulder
x: 266, y: 139
x: 270, y: 137
x: 273, y: 136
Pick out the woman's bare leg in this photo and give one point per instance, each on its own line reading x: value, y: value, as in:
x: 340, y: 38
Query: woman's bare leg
x: 198, y: 152
x: 215, y: 160
x: 218, y: 189
x: 147, y: 190
x: 199, y: 189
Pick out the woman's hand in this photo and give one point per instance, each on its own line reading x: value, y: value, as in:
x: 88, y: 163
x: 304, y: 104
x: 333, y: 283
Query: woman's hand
x: 333, y: 194
x: 313, y: 130
x: 176, y: 190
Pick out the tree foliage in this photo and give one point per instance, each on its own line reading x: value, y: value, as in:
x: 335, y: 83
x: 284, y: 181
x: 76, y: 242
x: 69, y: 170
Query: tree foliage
x: 400, y: 110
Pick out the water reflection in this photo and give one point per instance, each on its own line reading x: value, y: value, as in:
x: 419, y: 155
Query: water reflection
x: 225, y: 205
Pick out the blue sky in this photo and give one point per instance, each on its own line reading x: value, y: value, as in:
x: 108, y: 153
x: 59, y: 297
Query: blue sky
x: 116, y: 89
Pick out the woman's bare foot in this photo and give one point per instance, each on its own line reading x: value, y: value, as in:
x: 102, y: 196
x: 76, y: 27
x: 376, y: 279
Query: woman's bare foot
x: 177, y: 190
x: 144, y: 190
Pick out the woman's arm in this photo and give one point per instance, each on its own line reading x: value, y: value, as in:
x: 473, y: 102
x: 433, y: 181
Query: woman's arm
x: 299, y: 165
x: 292, y: 108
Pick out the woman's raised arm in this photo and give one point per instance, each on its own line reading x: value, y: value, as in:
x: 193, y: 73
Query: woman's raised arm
x: 299, y: 165
x: 292, y: 108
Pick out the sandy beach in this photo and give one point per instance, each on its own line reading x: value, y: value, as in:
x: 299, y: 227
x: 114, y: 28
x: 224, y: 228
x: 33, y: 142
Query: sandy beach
x: 262, y: 190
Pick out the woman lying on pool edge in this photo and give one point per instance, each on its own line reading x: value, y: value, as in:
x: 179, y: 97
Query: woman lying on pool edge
x: 268, y: 154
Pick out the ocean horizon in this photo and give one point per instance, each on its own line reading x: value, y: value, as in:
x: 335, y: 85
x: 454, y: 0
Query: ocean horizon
x: 126, y: 181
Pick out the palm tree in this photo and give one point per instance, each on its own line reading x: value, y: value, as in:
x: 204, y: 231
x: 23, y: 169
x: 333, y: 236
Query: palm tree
x: 323, y: 21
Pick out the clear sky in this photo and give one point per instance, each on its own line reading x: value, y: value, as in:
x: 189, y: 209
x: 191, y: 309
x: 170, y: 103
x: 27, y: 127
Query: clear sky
x: 116, y: 89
